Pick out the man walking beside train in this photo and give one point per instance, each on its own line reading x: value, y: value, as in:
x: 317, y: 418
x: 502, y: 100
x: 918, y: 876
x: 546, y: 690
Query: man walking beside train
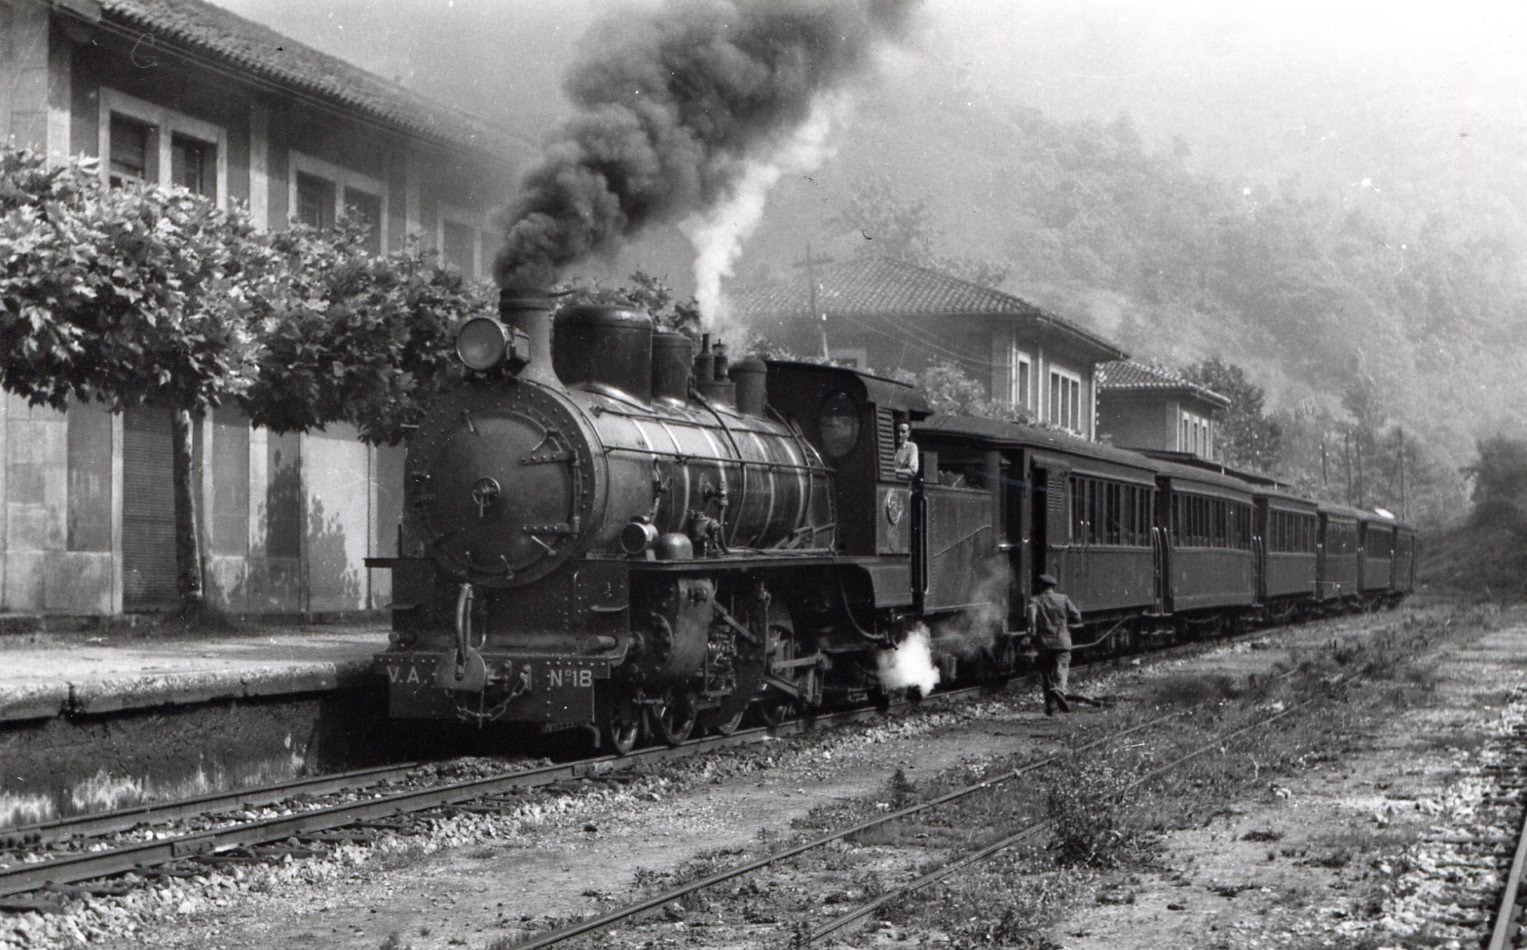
x: 1051, y: 614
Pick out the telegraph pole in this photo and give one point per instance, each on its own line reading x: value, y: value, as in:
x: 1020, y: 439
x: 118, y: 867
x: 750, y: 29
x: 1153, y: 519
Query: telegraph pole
x: 1358, y: 442
x: 1346, y: 457
x: 810, y: 263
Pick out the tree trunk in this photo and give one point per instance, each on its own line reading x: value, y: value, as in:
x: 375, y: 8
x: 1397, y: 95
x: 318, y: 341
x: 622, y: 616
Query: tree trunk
x: 188, y: 573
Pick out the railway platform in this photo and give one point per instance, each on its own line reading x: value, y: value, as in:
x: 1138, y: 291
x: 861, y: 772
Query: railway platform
x: 44, y: 675
x: 92, y: 720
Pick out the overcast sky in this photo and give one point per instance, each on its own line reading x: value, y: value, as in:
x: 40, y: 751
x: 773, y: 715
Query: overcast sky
x: 1253, y: 88
x: 1177, y: 65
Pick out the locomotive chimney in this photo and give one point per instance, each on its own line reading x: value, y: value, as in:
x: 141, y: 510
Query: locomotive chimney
x: 719, y: 352
x: 530, y: 310
x: 711, y: 379
x: 705, y: 362
x: 751, y: 376
x: 672, y: 354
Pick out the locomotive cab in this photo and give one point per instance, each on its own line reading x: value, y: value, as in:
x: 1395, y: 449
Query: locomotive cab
x: 851, y: 417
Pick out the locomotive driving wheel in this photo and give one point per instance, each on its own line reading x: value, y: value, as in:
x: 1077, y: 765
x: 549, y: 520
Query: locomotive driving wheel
x: 672, y: 716
x: 778, y: 706
x: 623, y: 721
x: 725, y: 720
x: 748, y: 665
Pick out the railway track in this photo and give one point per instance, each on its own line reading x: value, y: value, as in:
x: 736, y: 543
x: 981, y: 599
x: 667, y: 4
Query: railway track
x: 76, y: 857
x: 1509, y: 801
x: 807, y: 932
x: 305, y: 831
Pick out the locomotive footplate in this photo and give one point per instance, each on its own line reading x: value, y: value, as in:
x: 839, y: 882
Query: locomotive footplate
x: 556, y: 690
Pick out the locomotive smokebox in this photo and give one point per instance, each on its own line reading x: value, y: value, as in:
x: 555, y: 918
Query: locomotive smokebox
x: 530, y: 310
x: 608, y: 346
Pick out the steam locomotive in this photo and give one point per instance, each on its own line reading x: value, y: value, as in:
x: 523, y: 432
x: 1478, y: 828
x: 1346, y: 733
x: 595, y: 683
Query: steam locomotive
x: 606, y: 529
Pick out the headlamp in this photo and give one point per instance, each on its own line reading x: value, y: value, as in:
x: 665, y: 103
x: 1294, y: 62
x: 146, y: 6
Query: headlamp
x: 481, y: 343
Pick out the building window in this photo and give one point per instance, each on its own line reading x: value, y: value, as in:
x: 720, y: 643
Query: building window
x: 193, y: 165
x: 315, y: 201
x: 1020, y: 378
x: 321, y: 193
x: 1065, y: 400
x: 368, y: 208
x: 1194, y: 435
x: 458, y: 235
x: 142, y: 141
x: 458, y: 245
x: 129, y: 150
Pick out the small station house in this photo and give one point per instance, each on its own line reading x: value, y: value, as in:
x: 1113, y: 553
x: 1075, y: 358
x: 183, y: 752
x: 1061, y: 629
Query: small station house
x: 1149, y: 408
x: 885, y: 315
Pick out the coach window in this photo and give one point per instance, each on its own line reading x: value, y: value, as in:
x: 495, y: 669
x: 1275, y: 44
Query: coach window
x: 1111, y: 531
x: 1079, y: 503
x: 1094, y: 511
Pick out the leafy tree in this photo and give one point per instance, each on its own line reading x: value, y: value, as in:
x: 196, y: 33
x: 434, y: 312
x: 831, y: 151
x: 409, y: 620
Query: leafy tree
x: 1246, y: 438
x: 890, y: 225
x: 950, y: 389
x: 128, y: 296
x: 143, y: 295
x: 1500, y: 483
x: 354, y: 337
x: 644, y: 292
x: 887, y: 223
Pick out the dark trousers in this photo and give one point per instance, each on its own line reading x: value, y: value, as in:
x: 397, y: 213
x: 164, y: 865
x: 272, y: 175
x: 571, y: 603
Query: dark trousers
x: 1054, y: 671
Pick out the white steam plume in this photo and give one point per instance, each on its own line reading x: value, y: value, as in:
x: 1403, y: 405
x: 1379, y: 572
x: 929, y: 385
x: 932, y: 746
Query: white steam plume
x: 718, y: 232
x: 909, y: 664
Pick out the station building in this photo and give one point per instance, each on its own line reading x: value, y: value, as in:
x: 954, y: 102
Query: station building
x: 883, y: 315
x: 1155, y: 409
x: 180, y: 91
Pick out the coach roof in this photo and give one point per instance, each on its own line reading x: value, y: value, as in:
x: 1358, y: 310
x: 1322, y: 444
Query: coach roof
x: 999, y: 434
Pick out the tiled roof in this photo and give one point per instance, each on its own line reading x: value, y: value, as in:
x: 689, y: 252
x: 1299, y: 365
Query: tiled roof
x: 218, y: 39
x: 868, y: 286
x: 1128, y: 375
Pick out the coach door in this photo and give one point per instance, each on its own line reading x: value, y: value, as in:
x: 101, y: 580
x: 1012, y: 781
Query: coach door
x: 1052, y: 522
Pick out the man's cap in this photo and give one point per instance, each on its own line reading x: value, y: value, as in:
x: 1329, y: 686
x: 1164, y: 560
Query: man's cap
x: 1048, y: 580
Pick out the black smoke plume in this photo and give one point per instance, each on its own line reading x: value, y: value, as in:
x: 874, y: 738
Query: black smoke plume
x: 670, y: 102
